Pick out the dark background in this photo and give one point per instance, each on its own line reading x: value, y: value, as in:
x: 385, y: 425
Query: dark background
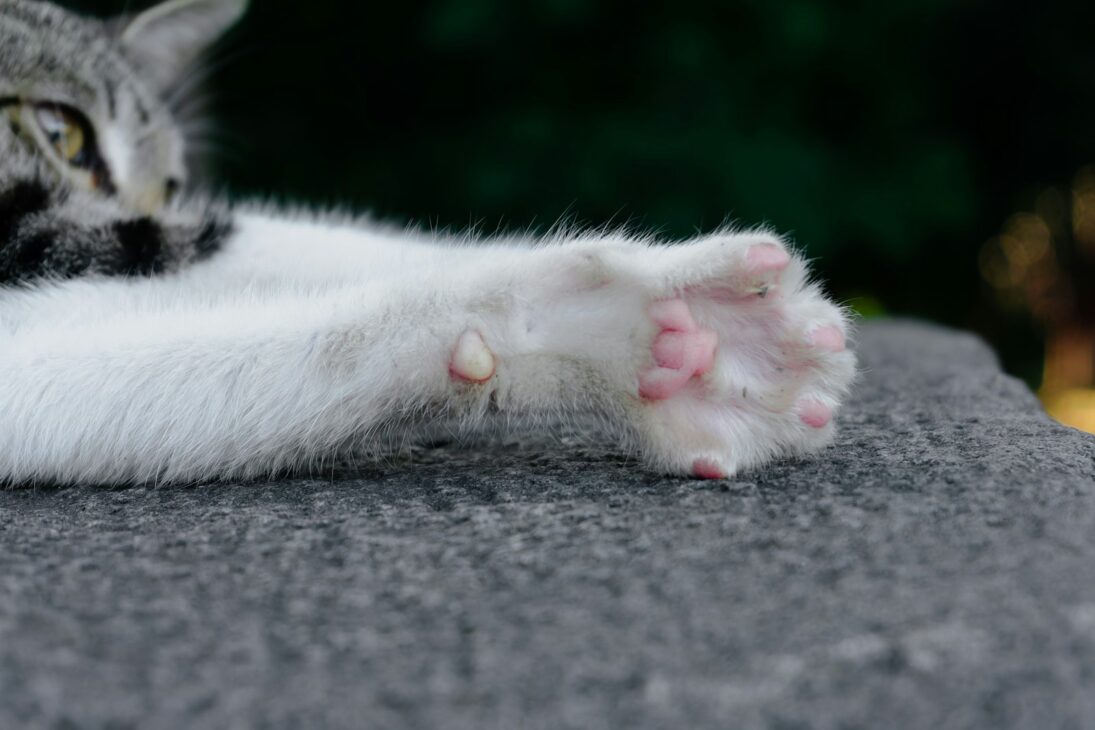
x: 892, y: 140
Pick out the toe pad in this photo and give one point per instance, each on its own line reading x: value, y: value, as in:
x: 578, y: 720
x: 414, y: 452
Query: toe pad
x: 814, y: 413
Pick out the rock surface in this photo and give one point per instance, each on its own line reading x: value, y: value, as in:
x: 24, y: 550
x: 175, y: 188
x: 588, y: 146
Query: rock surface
x: 936, y: 568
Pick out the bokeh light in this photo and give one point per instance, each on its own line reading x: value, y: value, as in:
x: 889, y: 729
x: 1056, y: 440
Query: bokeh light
x: 1041, y: 265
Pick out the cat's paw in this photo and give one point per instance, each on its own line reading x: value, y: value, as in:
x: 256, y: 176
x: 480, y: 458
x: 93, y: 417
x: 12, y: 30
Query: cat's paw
x: 717, y: 355
x: 748, y: 362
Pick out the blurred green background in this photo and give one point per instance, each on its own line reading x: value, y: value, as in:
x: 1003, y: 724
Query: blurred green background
x: 891, y: 140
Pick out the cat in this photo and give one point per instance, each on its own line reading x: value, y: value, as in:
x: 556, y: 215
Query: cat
x: 148, y: 335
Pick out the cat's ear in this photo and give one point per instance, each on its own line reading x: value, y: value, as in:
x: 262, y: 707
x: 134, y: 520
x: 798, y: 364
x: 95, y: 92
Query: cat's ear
x: 167, y: 38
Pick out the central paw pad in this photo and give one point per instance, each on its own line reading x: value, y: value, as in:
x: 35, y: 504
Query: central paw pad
x: 682, y: 350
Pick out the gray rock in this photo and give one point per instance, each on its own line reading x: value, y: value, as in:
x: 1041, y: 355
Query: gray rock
x: 936, y: 568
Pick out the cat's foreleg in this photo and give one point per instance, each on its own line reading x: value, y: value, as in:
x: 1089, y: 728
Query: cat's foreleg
x: 185, y: 391
x: 145, y: 380
x: 711, y: 356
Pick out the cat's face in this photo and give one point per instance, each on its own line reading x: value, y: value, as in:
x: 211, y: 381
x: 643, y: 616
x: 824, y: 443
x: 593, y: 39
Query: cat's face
x: 89, y: 97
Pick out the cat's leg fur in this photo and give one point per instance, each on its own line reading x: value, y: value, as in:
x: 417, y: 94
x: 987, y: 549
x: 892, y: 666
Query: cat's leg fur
x: 143, y: 381
x: 711, y: 356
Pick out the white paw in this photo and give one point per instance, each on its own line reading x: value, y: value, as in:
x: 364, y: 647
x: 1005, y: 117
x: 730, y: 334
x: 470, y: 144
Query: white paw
x: 722, y: 355
x: 748, y: 364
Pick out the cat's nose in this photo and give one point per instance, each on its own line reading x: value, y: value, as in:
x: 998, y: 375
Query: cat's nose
x: 149, y: 200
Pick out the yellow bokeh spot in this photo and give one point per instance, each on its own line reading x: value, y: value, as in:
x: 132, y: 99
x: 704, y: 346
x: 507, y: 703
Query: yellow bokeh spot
x: 1074, y: 407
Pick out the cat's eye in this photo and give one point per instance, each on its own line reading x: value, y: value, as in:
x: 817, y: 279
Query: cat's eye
x: 72, y: 138
x: 65, y: 132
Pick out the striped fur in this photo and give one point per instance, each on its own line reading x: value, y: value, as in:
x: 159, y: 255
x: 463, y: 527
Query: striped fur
x: 52, y: 224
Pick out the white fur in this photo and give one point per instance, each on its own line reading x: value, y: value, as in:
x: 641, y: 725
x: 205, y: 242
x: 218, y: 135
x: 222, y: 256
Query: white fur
x: 304, y: 337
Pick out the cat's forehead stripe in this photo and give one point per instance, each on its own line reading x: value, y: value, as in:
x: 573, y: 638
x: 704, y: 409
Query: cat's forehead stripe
x: 142, y: 110
x: 111, y: 100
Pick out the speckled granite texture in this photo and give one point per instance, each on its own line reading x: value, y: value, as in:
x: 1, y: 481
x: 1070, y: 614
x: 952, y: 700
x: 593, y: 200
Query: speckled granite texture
x: 935, y: 569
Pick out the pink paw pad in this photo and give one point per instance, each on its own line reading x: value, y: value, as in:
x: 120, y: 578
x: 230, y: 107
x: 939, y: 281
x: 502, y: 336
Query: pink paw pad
x: 814, y: 413
x: 681, y: 351
x: 684, y: 350
x: 829, y: 339
x: 707, y: 469
x: 672, y: 315
x: 472, y: 360
x: 766, y: 257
